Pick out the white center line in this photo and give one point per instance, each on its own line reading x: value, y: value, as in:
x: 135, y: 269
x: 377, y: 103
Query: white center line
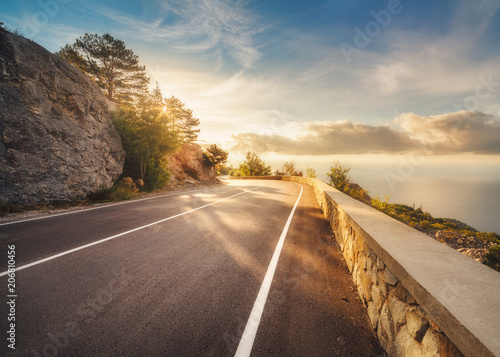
x: 122, y: 234
x: 248, y: 337
x: 105, y: 205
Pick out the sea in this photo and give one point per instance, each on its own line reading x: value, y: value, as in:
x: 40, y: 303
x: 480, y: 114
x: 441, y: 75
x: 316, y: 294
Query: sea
x: 462, y: 188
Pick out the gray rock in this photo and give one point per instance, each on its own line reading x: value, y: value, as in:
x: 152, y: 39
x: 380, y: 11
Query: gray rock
x: 390, y: 278
x: 57, y: 141
x: 417, y: 324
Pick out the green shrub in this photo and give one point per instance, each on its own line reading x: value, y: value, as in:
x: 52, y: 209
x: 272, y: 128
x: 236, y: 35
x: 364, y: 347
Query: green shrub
x: 339, y: 176
x: 310, y: 172
x: 7, y: 207
x: 157, y: 177
x: 101, y: 195
x: 124, y: 189
x: 493, y: 257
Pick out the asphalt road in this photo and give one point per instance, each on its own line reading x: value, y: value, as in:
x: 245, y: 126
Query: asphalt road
x: 179, y: 275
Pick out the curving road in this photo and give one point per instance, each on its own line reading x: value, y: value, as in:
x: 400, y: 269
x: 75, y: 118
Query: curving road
x: 184, y: 274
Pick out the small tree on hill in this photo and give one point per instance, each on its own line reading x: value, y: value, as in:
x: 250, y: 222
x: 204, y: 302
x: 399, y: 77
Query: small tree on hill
x: 254, y: 166
x: 214, y: 156
x: 111, y: 65
x: 310, y: 172
x: 339, y: 176
x: 289, y: 168
x: 219, y: 154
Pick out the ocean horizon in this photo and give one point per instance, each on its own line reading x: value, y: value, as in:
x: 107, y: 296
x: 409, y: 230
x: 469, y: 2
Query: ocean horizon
x: 447, y: 187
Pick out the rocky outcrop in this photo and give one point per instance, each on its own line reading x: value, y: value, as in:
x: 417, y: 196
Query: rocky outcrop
x: 57, y: 141
x: 473, y: 247
x: 186, y: 165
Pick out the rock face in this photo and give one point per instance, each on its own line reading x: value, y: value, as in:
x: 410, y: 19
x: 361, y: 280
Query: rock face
x: 473, y: 247
x: 186, y: 165
x: 57, y: 141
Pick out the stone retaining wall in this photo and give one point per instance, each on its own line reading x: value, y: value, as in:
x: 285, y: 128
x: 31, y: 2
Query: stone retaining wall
x: 422, y: 297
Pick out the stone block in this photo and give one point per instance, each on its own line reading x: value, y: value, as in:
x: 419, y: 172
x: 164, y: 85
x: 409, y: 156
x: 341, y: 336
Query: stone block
x: 355, y: 274
x: 417, y: 323
x: 361, y: 261
x: 383, y: 288
x: 377, y: 296
x: 401, y: 293
x: 380, y: 264
x: 430, y: 344
x: 390, y: 278
x: 382, y: 336
x: 386, y: 322
x: 373, y: 314
x: 366, y: 283
x: 398, y: 312
x: 406, y: 344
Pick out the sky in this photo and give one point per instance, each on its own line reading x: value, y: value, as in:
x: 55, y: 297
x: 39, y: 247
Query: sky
x: 308, y: 79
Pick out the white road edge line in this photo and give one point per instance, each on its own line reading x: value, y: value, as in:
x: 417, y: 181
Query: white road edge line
x: 122, y: 234
x: 99, y: 207
x: 248, y: 337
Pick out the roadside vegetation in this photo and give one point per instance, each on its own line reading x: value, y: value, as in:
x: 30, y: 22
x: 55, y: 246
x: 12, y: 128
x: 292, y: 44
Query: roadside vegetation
x: 151, y: 127
x: 215, y: 157
x: 414, y: 217
x: 252, y: 166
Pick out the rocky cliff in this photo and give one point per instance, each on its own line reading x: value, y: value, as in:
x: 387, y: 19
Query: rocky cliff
x: 186, y: 165
x: 56, y: 138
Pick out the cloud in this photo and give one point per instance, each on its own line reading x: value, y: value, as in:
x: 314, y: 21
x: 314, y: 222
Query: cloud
x: 463, y: 131
x: 460, y: 132
x: 198, y: 26
x: 323, y: 138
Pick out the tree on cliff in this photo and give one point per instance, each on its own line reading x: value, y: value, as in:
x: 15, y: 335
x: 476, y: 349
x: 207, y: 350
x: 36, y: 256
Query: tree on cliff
x: 218, y: 153
x: 183, y: 119
x: 111, y: 65
x: 339, y: 176
x: 214, y: 156
x: 254, y: 166
x: 147, y: 137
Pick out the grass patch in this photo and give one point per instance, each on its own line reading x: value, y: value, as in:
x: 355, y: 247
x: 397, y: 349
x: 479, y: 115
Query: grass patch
x: 7, y: 208
x: 121, y: 190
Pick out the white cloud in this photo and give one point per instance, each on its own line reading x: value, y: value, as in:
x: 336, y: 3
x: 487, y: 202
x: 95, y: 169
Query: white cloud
x: 460, y: 132
x: 199, y: 26
x: 463, y: 131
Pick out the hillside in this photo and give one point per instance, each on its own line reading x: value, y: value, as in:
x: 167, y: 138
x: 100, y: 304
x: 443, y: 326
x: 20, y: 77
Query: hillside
x: 186, y: 166
x: 451, y: 232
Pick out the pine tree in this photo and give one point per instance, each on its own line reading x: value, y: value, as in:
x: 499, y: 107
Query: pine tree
x: 183, y: 119
x: 218, y: 153
x: 157, y: 97
x: 111, y: 65
x: 189, y: 123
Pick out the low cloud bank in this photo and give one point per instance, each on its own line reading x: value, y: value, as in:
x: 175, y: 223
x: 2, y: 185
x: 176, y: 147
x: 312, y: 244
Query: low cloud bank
x: 459, y: 132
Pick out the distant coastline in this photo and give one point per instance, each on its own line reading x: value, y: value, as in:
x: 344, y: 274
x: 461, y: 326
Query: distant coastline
x: 475, y: 202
